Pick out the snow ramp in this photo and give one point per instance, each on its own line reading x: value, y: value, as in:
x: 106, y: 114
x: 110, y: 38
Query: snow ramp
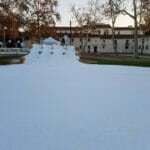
x: 52, y: 54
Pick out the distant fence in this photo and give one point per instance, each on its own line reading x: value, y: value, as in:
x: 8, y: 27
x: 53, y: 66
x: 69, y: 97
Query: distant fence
x: 17, y: 50
x: 13, y: 52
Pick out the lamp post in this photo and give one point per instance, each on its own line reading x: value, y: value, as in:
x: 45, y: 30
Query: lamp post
x: 5, y: 28
x: 21, y: 29
x: 70, y: 33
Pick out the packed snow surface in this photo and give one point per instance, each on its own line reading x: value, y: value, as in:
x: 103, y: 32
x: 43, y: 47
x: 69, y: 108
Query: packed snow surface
x: 50, y: 41
x: 54, y: 102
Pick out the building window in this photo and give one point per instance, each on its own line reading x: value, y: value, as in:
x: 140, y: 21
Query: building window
x: 106, y: 32
x: 147, y: 39
x: 99, y: 32
x: 103, y: 41
x: 80, y: 39
x: 127, y: 44
x: 89, y: 47
x: 72, y: 39
x: 143, y: 40
x: 126, y: 47
x: 89, y: 39
x: 95, y: 49
x: 147, y: 47
x: 118, y: 32
x: 115, y: 44
x: 139, y: 47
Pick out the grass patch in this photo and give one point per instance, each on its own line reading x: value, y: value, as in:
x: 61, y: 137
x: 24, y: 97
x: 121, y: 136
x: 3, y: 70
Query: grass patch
x: 117, y: 60
x: 9, y: 61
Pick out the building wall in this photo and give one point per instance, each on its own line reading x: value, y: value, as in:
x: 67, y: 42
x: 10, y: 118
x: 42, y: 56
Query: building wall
x: 99, y: 45
x: 127, y: 31
x: 98, y: 30
x: 100, y: 41
x: 146, y: 45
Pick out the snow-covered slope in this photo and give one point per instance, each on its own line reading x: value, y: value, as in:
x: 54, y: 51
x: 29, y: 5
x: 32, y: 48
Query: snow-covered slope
x: 52, y: 55
x: 53, y: 102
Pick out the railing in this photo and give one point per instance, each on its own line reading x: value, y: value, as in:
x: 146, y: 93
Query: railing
x: 16, y: 50
x: 13, y: 52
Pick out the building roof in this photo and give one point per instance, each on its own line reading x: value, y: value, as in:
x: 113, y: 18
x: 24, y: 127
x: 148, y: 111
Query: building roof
x: 122, y: 36
x: 79, y: 28
x: 102, y: 25
x: 125, y: 28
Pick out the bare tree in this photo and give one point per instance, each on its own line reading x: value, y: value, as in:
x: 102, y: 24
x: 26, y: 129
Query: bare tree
x: 145, y: 15
x: 79, y: 18
x: 93, y: 16
x: 111, y: 9
x: 123, y: 9
x: 43, y: 13
x: 9, y: 19
x: 140, y: 16
x: 37, y: 12
x: 144, y: 19
x: 88, y: 16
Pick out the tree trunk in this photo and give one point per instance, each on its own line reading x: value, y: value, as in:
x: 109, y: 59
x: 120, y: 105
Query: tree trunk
x: 81, y: 36
x: 135, y: 30
x: 142, y: 48
x: 87, y: 38
x: 113, y: 37
x: 70, y: 33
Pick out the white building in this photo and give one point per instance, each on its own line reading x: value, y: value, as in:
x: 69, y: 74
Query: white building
x: 100, y: 39
x: 124, y: 44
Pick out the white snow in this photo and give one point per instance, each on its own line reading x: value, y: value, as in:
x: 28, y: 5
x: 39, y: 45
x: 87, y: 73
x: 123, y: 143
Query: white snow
x: 50, y: 41
x: 54, y: 102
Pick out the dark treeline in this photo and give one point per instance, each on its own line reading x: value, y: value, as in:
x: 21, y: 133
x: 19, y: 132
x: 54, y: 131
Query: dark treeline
x: 29, y: 16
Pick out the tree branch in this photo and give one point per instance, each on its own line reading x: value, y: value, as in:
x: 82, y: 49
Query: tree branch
x: 127, y: 13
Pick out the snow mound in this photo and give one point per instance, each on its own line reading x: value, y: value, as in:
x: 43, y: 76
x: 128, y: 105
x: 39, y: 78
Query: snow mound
x: 52, y: 54
x: 50, y: 41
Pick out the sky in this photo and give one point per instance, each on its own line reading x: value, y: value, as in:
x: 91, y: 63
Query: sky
x: 64, y: 10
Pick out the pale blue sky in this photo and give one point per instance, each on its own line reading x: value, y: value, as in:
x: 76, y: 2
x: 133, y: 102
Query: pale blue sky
x: 64, y: 9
